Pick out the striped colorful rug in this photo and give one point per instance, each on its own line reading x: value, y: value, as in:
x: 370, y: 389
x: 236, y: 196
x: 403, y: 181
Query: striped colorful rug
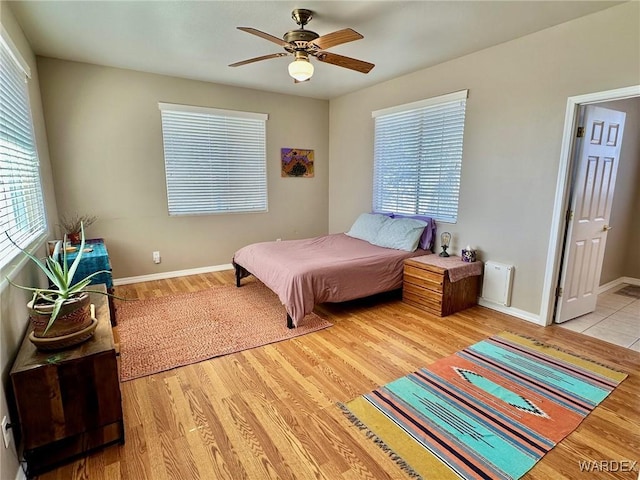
x: 490, y: 411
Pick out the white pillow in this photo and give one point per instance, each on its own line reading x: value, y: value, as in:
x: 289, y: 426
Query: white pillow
x: 400, y: 233
x: 367, y: 225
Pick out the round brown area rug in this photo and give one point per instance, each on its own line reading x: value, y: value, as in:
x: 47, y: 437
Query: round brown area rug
x: 162, y: 333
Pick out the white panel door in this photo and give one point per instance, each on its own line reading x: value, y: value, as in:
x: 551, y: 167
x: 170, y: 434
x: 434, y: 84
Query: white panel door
x: 593, y: 187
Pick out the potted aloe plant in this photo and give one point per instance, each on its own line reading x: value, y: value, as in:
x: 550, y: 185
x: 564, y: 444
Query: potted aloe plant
x: 61, y: 311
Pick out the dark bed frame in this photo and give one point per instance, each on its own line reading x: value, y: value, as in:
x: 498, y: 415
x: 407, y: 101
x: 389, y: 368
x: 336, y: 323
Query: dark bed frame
x: 241, y: 273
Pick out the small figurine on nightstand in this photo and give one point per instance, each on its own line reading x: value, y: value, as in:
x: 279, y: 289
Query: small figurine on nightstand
x: 445, y: 239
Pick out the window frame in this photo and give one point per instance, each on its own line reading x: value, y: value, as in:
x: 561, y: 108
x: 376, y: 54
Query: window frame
x: 20, y: 137
x: 392, y: 123
x: 202, y: 124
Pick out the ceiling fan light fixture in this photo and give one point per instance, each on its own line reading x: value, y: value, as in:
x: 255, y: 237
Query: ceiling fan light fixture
x: 302, y: 43
x: 301, y: 69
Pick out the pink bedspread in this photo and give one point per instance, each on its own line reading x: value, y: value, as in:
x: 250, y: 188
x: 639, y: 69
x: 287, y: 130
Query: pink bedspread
x: 333, y: 268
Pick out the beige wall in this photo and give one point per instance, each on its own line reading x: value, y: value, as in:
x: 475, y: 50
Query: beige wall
x: 13, y: 312
x: 633, y: 258
x: 105, y: 142
x: 619, y: 253
x: 515, y: 115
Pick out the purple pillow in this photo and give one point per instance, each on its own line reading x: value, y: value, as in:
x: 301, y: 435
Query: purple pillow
x: 428, y: 235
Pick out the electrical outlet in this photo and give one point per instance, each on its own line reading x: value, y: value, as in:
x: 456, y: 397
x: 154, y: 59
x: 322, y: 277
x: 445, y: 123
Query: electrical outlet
x: 156, y: 257
x: 278, y: 239
x: 6, y: 435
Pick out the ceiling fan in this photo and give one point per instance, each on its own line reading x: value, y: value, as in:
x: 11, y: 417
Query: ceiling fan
x: 303, y: 43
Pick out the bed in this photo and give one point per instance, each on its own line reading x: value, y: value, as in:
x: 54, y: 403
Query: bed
x: 330, y: 268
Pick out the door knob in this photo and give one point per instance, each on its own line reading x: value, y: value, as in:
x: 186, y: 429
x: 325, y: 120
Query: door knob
x: 606, y: 228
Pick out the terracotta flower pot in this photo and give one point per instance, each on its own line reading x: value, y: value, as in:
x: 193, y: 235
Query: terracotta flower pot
x: 74, y: 316
x: 74, y: 238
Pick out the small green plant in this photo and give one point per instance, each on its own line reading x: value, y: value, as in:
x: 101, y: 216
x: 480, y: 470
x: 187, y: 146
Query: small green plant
x: 60, y: 276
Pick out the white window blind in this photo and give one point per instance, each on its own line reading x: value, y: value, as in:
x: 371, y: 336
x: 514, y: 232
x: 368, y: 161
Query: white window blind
x: 418, y: 157
x: 215, y: 160
x: 22, y: 212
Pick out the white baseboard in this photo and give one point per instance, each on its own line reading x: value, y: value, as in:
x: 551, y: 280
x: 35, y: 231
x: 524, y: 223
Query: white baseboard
x: 174, y: 274
x: 617, y: 282
x: 531, y: 317
x: 514, y: 312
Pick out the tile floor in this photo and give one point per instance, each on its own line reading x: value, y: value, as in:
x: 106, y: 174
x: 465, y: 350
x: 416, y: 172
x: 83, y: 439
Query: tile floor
x: 615, y: 320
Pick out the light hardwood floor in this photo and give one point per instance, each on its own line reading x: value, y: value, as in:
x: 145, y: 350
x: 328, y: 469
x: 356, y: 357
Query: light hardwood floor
x: 271, y: 412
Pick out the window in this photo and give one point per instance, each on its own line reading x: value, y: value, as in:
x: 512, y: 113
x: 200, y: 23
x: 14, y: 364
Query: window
x: 22, y: 213
x: 418, y: 157
x: 215, y: 160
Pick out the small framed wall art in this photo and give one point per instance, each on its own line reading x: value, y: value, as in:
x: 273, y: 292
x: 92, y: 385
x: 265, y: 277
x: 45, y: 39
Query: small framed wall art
x: 296, y: 162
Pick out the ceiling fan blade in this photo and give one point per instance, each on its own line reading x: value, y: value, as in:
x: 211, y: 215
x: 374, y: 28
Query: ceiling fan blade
x: 346, y: 62
x: 257, y: 59
x: 264, y: 35
x: 336, y: 38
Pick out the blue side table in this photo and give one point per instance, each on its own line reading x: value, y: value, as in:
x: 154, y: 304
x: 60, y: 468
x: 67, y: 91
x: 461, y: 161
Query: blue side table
x: 94, y: 261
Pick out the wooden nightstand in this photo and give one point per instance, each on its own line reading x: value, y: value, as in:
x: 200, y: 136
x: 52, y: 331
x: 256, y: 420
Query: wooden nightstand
x: 428, y: 285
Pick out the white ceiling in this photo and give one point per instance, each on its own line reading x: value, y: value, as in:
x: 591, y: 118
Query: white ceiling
x: 198, y: 39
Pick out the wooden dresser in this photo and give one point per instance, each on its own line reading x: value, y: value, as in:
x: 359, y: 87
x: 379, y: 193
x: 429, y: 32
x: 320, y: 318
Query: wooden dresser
x: 68, y: 401
x: 427, y: 284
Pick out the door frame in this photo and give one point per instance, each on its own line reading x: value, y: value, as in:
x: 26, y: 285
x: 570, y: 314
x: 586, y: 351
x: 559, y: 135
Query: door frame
x: 563, y: 189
